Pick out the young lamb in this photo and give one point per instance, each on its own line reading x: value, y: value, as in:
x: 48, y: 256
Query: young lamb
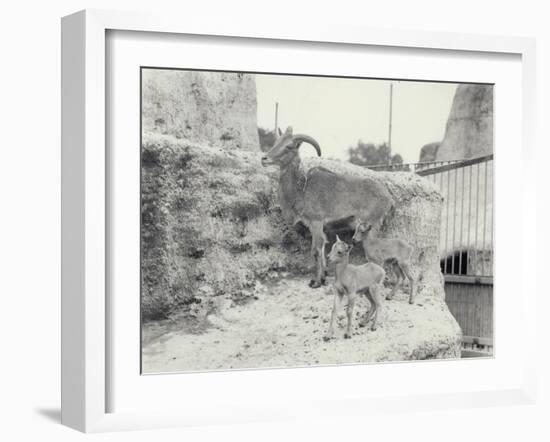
x: 350, y: 280
x: 381, y: 250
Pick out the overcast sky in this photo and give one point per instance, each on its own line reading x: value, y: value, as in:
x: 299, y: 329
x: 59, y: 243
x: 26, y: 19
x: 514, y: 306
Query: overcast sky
x: 338, y: 112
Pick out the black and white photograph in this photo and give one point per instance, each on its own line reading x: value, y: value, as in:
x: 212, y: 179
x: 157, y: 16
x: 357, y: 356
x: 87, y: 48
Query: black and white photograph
x: 295, y: 220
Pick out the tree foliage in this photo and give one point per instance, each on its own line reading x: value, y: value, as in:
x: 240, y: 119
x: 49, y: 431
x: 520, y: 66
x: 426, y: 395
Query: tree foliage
x: 369, y: 154
x: 429, y: 152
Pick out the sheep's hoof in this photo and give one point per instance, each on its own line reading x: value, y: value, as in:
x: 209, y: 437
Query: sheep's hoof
x: 346, y: 336
x: 315, y: 284
x: 327, y: 338
x: 373, y: 328
x: 311, y: 282
x: 323, y: 281
x: 411, y: 301
x: 362, y: 324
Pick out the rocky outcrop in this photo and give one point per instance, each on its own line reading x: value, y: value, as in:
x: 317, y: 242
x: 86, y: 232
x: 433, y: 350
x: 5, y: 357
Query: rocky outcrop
x: 469, y: 131
x: 211, y: 225
x: 215, y: 108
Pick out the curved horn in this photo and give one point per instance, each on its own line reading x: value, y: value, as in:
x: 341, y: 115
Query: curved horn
x: 309, y: 140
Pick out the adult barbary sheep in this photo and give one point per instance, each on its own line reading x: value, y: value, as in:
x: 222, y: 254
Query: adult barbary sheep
x: 319, y: 197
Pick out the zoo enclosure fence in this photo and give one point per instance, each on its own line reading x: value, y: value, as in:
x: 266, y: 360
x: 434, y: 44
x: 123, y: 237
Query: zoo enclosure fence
x: 466, y: 241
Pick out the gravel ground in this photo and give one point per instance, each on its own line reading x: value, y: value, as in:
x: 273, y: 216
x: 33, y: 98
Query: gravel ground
x: 283, y: 326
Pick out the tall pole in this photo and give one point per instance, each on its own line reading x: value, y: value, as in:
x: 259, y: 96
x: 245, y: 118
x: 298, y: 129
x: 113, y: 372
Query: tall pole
x: 389, y: 130
x: 276, y: 118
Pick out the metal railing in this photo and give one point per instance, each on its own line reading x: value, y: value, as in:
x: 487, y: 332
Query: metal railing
x: 411, y: 167
x: 467, y: 221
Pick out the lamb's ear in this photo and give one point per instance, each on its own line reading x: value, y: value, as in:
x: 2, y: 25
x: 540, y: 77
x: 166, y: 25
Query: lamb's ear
x: 288, y: 130
x: 338, y: 239
x: 280, y: 131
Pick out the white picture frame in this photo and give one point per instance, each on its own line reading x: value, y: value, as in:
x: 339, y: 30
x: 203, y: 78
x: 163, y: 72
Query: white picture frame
x: 85, y: 312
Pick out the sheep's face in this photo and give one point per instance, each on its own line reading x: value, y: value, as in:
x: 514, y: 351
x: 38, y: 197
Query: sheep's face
x: 361, y: 231
x: 283, y: 151
x: 340, y: 251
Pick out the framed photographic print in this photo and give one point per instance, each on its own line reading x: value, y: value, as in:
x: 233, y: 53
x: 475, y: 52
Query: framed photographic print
x: 251, y: 213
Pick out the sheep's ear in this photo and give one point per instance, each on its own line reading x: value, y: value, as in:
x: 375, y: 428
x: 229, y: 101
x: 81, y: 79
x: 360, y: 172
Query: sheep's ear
x: 288, y: 130
x: 338, y: 239
x: 280, y: 131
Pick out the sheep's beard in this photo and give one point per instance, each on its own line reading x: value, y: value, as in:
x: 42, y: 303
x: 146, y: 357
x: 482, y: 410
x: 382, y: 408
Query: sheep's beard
x: 292, y: 182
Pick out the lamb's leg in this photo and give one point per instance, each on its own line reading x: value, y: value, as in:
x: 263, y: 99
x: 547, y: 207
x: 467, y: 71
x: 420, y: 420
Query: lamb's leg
x: 318, y: 240
x: 368, y: 315
x: 377, y: 299
x: 338, y: 295
x: 405, y: 266
x: 400, y: 278
x: 349, y: 312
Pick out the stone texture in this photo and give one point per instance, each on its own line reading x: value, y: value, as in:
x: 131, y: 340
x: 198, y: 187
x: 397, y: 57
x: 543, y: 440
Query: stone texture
x: 211, y: 225
x: 469, y: 131
x: 213, y: 108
